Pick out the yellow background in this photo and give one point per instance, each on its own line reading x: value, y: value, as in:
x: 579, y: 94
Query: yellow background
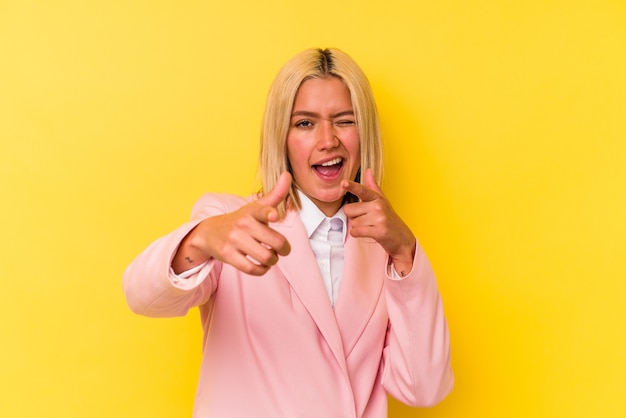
x: 505, y: 135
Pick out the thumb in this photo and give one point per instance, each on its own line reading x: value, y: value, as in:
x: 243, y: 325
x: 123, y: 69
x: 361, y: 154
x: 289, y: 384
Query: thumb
x: 279, y: 192
x: 370, y: 182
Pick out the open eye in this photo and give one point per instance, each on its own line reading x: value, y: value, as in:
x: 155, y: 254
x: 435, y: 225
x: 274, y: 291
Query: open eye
x: 304, y: 123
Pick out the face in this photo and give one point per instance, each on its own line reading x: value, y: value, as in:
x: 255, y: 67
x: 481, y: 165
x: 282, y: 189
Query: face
x: 323, y: 144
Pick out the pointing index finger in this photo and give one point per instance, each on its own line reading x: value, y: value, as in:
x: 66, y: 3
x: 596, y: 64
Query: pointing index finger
x: 364, y: 193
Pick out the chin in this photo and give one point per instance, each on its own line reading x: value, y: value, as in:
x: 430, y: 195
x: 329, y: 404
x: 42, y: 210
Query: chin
x: 332, y: 199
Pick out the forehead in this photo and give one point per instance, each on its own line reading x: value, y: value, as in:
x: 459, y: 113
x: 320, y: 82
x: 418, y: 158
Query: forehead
x: 328, y: 91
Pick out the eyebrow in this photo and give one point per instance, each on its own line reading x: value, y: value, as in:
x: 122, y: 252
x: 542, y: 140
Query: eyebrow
x: 315, y: 115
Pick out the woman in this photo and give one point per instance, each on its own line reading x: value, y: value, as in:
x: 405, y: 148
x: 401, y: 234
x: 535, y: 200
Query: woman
x: 345, y: 308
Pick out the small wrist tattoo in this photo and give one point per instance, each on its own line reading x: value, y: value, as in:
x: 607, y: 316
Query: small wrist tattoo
x: 190, y: 261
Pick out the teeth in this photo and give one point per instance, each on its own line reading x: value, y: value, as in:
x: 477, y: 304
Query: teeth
x: 331, y: 162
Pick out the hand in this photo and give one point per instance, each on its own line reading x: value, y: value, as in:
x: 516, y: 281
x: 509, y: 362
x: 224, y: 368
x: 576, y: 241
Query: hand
x: 373, y: 217
x: 241, y: 238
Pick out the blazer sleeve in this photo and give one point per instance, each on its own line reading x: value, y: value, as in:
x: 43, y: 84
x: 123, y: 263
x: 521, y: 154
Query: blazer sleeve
x: 416, y: 356
x: 151, y: 287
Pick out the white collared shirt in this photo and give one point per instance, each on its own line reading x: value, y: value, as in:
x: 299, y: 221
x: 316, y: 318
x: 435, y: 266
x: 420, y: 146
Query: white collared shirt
x: 329, y: 254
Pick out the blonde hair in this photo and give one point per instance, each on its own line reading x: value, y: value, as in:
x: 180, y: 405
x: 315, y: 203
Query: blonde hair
x: 316, y: 63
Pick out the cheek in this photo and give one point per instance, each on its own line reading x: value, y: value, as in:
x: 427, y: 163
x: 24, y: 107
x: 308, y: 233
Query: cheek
x: 355, y: 151
x: 294, y: 156
x: 354, y: 148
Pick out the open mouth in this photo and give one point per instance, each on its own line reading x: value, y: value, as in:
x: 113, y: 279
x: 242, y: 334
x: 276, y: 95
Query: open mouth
x: 329, y: 168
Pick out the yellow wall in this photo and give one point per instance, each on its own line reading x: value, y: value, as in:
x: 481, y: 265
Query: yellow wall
x: 505, y: 129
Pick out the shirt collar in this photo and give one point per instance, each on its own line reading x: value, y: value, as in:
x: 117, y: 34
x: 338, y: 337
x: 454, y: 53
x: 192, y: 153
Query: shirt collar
x: 312, y: 217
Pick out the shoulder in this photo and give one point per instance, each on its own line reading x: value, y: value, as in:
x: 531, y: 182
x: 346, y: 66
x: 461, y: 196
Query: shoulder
x: 211, y: 204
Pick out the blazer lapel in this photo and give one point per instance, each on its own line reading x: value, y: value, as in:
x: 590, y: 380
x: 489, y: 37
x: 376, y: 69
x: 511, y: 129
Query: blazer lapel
x: 301, y: 270
x: 361, y: 288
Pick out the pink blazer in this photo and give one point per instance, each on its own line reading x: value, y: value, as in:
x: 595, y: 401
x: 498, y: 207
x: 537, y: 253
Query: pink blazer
x: 274, y: 347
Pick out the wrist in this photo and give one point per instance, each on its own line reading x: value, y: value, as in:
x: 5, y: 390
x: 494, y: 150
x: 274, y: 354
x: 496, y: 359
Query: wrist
x: 189, y: 253
x: 403, y: 260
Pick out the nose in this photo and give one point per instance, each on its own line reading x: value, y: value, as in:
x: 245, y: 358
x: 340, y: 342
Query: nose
x: 327, y: 136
